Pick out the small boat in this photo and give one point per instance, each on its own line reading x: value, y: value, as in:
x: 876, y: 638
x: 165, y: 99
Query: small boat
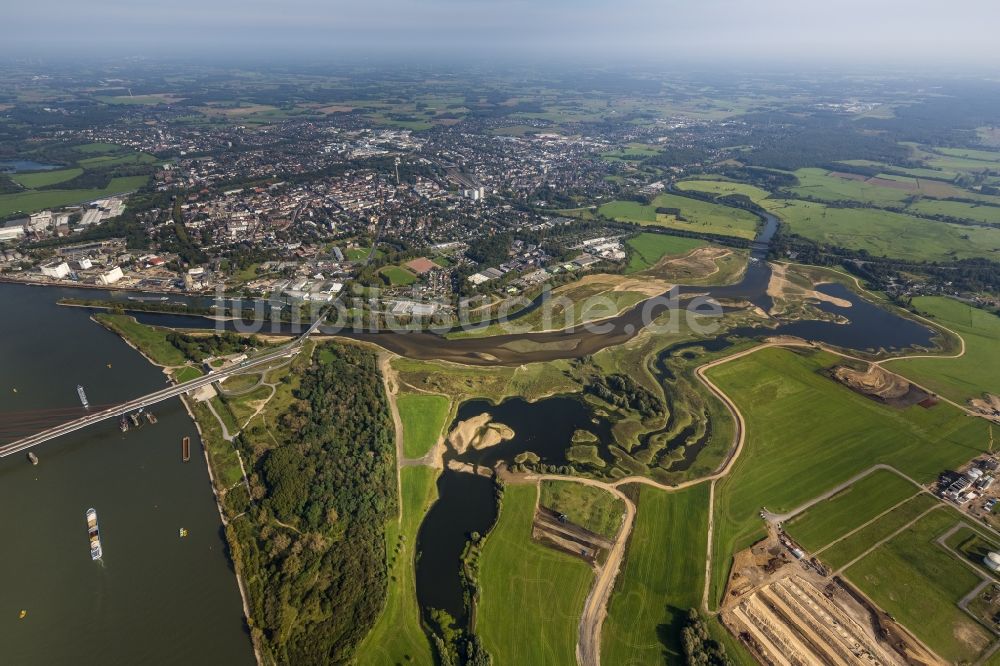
x: 32, y: 457
x: 123, y: 423
x: 96, y: 552
x: 186, y: 449
x: 135, y: 419
x: 151, y: 418
x: 182, y: 532
x: 23, y: 614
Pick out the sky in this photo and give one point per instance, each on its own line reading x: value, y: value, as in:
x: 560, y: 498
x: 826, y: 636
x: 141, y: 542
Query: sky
x: 894, y: 31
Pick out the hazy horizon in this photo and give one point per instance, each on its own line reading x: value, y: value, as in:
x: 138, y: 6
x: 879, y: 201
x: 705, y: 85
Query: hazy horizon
x: 889, y: 34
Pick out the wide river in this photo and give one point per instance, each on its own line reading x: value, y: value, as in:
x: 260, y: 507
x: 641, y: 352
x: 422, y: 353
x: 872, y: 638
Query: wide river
x: 157, y: 598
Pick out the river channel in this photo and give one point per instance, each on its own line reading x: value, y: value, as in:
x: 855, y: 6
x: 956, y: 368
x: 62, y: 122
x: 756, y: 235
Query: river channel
x: 466, y: 502
x: 156, y: 598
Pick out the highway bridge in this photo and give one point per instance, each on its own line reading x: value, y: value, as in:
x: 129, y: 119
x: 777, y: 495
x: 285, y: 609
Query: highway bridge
x: 285, y: 351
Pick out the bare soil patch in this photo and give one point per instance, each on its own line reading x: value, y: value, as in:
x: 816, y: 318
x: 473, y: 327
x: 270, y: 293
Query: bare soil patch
x: 989, y: 404
x: 780, y: 288
x: 698, y: 263
x: 478, y: 433
x: 848, y: 176
x: 894, y: 184
x: 879, y: 384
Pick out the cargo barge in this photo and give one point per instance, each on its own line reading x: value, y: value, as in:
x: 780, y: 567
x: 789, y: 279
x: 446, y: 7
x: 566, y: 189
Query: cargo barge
x: 186, y: 449
x: 96, y: 552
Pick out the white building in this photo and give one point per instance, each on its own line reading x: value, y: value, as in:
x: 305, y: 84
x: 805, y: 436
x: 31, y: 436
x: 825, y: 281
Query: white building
x: 40, y: 221
x: 112, y: 276
x: 55, y: 269
x: 11, y: 233
x: 992, y: 561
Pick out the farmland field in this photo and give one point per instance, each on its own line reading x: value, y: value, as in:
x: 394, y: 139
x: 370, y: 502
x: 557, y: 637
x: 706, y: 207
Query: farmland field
x: 887, y: 233
x: 806, y: 433
x: 532, y: 596
x: 647, y: 249
x: 959, y: 209
x: 699, y: 216
x: 423, y: 416
x: 397, y: 636
x: 853, y: 506
x: 29, y: 202
x: 974, y: 373
x: 915, y: 579
x: 43, y: 178
x: 662, y: 576
x: 850, y: 547
x: 723, y: 188
x: 587, y: 506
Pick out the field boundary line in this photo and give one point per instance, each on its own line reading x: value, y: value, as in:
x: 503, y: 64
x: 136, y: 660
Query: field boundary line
x: 841, y: 570
x: 867, y: 523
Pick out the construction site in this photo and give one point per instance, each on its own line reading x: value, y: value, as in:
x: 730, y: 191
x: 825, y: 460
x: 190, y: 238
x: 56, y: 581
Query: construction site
x: 787, y: 611
x: 552, y: 529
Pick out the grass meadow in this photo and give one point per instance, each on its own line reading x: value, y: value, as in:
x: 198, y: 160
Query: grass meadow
x: 531, y: 596
x: 807, y: 433
x: 860, y: 502
x: 397, y: 637
x: 970, y: 375
x: 920, y: 583
x: 423, y: 416
x: 661, y: 578
x: 699, y: 216
x: 648, y: 248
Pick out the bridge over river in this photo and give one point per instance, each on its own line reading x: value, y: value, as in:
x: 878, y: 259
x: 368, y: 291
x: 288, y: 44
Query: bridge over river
x: 285, y: 351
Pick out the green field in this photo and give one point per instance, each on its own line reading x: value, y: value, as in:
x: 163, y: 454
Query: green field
x: 723, y: 188
x: 970, y: 375
x: 920, y: 583
x: 152, y: 341
x: 98, y: 148
x: 360, y: 253
x: 971, y: 154
x: 44, y: 178
x: 662, y: 576
x: 959, y: 209
x: 29, y: 202
x: 186, y: 374
x: 647, y: 249
x: 116, y: 160
x: 423, y: 416
x: 807, y: 433
x: 853, y: 506
x: 699, y: 216
x: 937, y: 174
x: 397, y: 637
x: 633, y: 151
x: 820, y: 184
x: 885, y: 233
x: 398, y: 276
x: 850, y: 547
x: 587, y: 506
x: 532, y: 596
